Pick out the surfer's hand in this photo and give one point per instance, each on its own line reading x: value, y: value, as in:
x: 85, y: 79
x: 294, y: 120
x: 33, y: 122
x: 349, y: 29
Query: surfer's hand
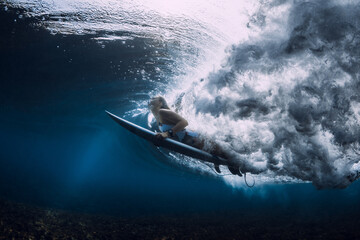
x: 162, y: 135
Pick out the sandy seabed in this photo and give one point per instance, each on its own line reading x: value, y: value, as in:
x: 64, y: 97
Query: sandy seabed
x: 21, y: 221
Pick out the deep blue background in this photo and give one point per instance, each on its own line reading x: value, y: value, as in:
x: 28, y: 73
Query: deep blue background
x: 59, y: 149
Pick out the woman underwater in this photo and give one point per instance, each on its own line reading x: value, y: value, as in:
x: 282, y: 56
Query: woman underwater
x: 172, y: 125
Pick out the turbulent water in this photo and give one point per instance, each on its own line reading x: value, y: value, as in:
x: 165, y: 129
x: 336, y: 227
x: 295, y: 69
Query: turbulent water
x: 285, y: 102
x: 275, y: 83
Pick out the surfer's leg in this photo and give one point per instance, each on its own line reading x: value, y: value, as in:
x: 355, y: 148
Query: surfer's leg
x: 195, y: 142
x: 219, y: 151
x: 198, y: 143
x: 215, y: 150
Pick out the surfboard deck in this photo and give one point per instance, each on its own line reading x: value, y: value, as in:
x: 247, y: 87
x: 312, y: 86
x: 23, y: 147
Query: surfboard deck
x: 168, y: 143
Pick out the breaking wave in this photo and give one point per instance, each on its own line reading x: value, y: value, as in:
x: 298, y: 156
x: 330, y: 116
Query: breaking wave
x: 286, y: 102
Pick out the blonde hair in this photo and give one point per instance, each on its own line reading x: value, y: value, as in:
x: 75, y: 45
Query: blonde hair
x: 162, y: 100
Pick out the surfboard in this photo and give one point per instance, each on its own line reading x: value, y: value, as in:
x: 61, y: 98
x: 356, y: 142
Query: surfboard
x: 168, y: 143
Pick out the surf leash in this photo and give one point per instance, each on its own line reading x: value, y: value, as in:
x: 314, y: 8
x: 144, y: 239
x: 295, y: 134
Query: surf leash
x: 247, y: 184
x: 250, y: 186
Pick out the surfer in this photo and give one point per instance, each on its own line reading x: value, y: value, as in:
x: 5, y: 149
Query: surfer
x: 172, y: 125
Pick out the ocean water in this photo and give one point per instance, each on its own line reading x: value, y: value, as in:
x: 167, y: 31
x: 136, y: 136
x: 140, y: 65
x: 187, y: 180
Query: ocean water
x: 275, y: 83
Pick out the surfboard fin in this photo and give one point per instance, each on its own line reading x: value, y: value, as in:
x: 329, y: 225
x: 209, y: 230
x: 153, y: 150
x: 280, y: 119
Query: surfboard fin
x: 235, y: 170
x: 217, y: 168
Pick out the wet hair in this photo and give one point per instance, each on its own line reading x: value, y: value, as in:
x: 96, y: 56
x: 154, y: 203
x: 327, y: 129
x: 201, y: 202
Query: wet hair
x: 163, y: 102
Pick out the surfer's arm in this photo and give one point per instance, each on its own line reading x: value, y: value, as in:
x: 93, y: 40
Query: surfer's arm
x: 170, y: 117
x: 179, y: 126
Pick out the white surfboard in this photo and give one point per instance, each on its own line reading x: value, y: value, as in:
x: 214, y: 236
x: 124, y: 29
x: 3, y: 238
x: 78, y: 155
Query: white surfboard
x: 168, y: 143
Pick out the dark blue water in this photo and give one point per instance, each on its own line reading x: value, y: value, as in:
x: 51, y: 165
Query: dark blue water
x: 59, y: 149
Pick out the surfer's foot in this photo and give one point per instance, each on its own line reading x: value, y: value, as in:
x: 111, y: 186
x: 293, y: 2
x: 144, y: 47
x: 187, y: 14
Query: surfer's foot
x: 217, y: 168
x: 235, y: 170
